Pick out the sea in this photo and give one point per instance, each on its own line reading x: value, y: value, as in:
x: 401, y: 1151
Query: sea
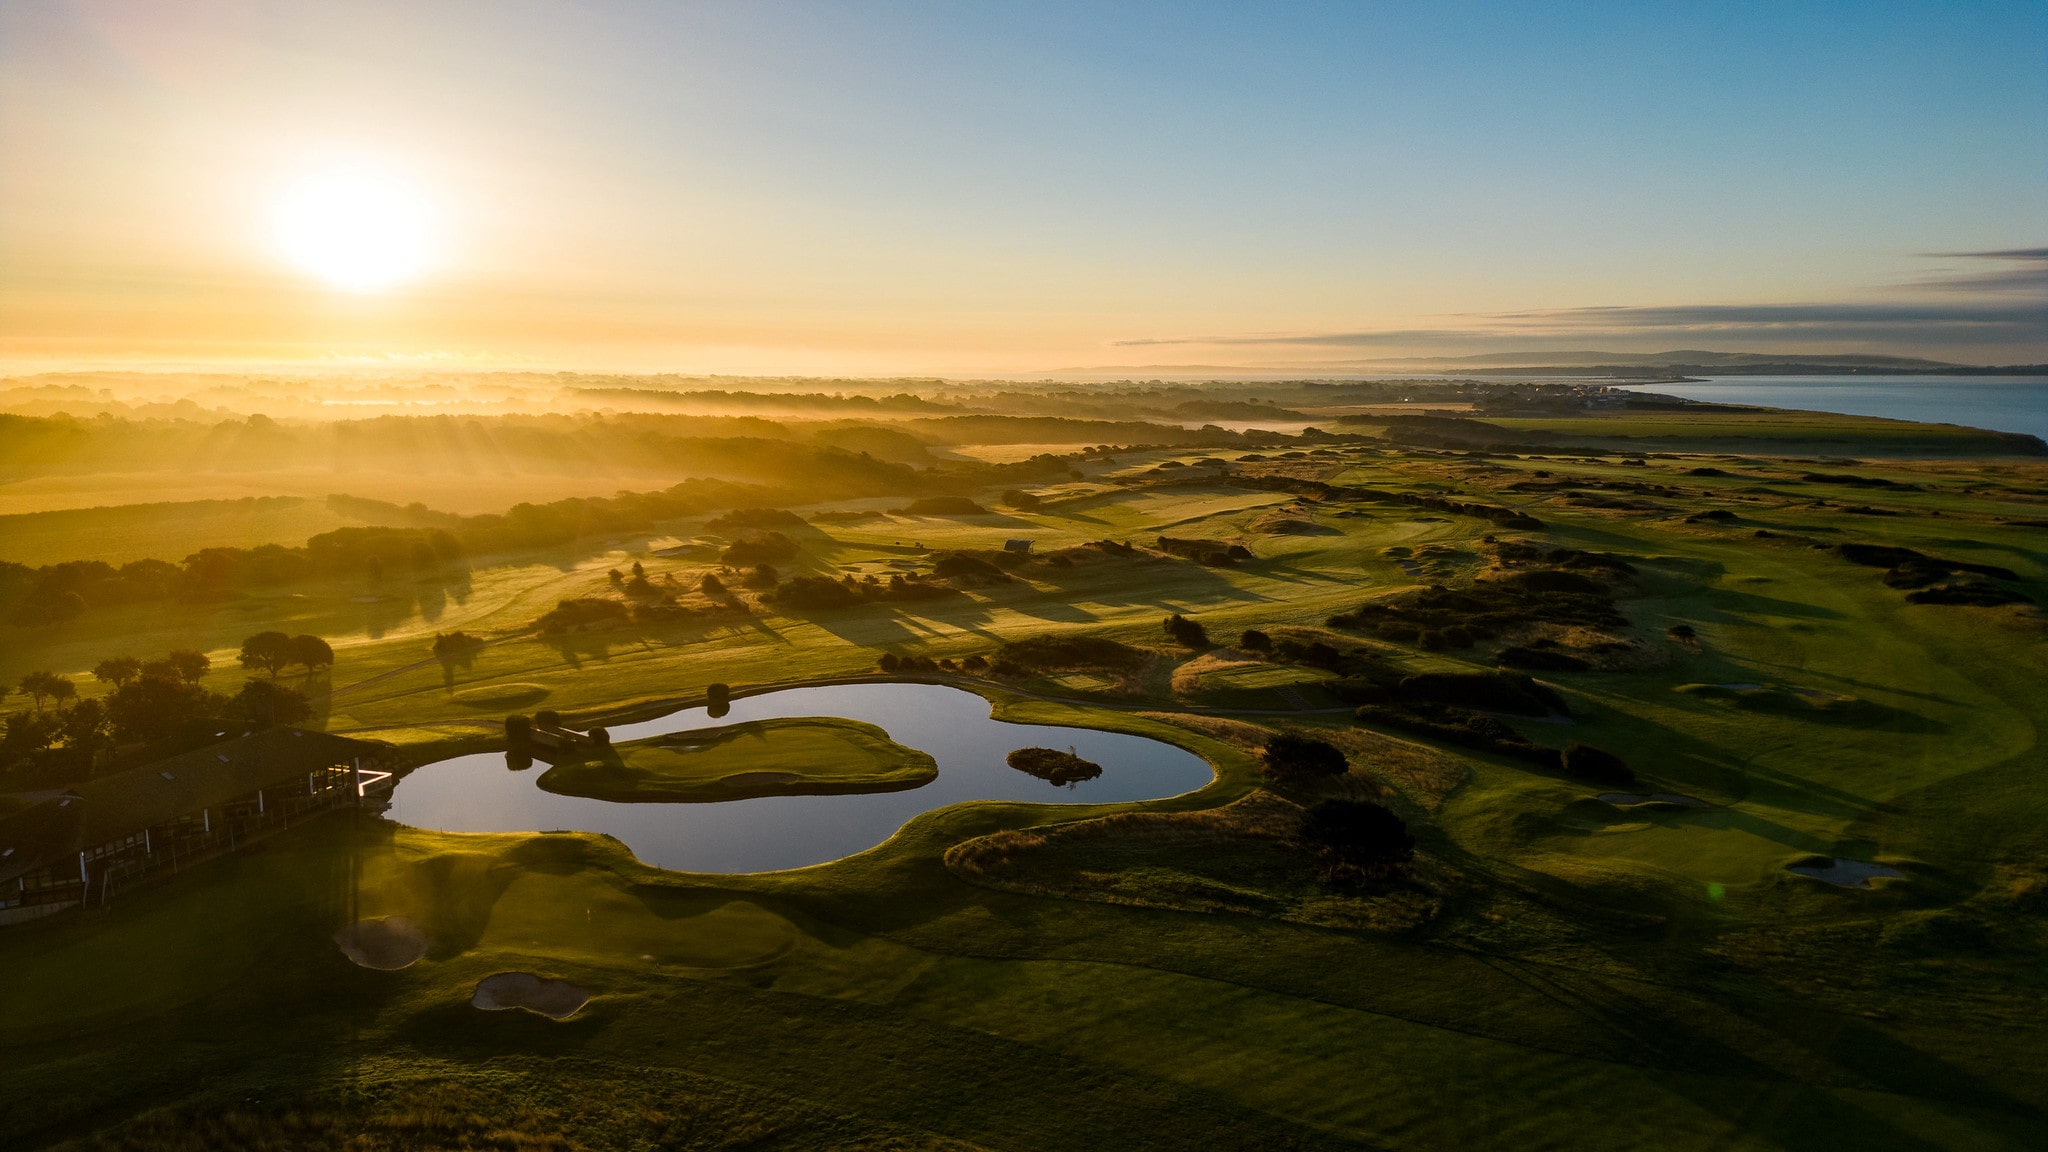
x: 2000, y: 403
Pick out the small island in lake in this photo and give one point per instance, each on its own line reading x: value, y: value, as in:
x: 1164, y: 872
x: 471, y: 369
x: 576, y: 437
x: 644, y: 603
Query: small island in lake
x: 1053, y: 765
x: 800, y: 756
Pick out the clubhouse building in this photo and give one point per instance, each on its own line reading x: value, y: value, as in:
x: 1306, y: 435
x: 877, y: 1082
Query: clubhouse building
x: 76, y: 847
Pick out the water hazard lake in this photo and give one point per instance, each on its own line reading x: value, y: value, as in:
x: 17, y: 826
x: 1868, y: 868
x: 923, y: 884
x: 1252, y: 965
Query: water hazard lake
x: 480, y: 794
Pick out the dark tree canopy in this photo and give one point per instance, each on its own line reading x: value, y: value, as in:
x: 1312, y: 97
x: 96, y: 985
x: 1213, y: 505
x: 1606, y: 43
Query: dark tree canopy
x: 1290, y: 756
x: 268, y: 651
x: 1357, y: 839
x: 1186, y: 632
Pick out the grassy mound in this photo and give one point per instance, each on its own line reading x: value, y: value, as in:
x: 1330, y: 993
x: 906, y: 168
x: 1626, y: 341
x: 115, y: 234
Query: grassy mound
x: 807, y: 756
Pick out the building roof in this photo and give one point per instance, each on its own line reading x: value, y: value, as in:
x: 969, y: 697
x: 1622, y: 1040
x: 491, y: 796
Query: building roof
x: 1016, y: 545
x: 125, y: 803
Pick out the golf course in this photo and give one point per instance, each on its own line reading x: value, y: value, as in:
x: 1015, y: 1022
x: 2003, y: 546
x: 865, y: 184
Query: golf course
x: 1712, y: 746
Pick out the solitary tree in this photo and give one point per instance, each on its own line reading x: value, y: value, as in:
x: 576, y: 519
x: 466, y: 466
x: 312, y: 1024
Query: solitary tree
x: 711, y: 585
x: 311, y: 651
x: 190, y: 664
x: 117, y: 671
x: 1254, y: 640
x: 270, y: 651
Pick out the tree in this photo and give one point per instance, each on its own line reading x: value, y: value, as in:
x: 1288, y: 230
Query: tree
x: 1254, y: 640
x: 27, y: 734
x: 1186, y: 632
x: 1288, y: 756
x: 1022, y: 500
x: 153, y: 707
x: 270, y: 651
x: 41, y: 686
x: 1357, y: 839
x: 85, y: 727
x: 190, y: 664
x: 270, y: 703
x: 311, y: 651
x: 711, y: 585
x: 764, y: 576
x: 117, y: 671
x: 639, y: 572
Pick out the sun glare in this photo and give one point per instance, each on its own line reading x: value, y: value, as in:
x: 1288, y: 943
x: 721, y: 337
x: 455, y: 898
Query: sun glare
x: 356, y: 228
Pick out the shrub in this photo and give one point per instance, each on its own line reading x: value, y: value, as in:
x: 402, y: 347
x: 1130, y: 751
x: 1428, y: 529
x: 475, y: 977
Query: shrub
x: 762, y: 577
x: 1053, y: 765
x: 1357, y: 839
x: 1254, y: 640
x: 943, y: 506
x: 585, y: 613
x: 888, y: 662
x: 745, y: 519
x: 1186, y: 632
x: 711, y: 585
x: 815, y: 592
x: 518, y: 729
x: 717, y: 692
x: 547, y: 718
x: 600, y: 737
x: 1682, y: 632
x: 1288, y: 756
x: 1022, y: 500
x: 1541, y: 659
x: 759, y: 548
x: 1060, y: 653
x: 1599, y: 766
x: 964, y: 566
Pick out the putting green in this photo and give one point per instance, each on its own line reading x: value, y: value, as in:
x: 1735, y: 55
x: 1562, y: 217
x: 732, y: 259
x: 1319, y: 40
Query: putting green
x: 783, y: 757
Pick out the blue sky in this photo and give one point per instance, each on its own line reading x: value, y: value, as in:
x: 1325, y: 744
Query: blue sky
x: 951, y: 186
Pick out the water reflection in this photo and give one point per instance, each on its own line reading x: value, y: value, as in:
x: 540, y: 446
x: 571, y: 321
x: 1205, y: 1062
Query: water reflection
x: 477, y: 794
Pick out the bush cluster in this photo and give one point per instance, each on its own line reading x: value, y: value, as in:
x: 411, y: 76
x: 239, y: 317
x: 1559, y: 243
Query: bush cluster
x: 1053, y: 765
x: 1214, y: 553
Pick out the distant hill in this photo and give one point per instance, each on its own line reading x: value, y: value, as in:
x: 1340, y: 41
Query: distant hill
x: 1682, y: 358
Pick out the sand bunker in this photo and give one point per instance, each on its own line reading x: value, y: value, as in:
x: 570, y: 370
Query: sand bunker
x: 386, y: 944
x: 557, y: 999
x: 1847, y: 873
x: 1634, y: 800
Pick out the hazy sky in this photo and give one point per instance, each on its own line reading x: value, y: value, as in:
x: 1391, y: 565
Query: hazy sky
x: 882, y: 187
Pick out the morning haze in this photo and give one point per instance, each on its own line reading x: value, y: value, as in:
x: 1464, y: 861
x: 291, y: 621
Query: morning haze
x: 920, y: 576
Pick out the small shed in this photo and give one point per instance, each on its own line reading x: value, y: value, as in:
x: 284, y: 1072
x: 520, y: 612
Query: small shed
x: 1016, y: 545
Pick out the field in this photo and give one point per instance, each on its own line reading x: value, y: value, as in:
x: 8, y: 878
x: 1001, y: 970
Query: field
x: 1554, y: 970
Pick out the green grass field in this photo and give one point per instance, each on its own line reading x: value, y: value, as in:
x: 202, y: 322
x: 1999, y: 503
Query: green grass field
x: 811, y: 756
x: 1556, y: 972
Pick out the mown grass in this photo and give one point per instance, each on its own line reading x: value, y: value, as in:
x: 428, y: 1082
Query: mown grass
x: 777, y: 757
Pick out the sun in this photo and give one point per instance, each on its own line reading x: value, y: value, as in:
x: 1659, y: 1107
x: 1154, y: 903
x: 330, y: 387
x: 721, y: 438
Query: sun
x: 355, y: 227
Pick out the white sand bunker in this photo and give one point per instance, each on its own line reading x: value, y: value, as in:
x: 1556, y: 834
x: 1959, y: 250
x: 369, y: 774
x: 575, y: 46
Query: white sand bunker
x: 1636, y: 800
x: 1847, y: 873
x: 558, y: 999
x: 387, y: 944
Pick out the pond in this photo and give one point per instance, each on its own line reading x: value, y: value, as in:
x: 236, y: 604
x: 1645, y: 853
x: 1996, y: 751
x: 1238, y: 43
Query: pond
x: 764, y: 834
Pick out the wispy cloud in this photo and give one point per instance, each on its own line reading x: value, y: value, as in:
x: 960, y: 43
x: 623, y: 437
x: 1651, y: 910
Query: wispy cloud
x: 2001, y: 308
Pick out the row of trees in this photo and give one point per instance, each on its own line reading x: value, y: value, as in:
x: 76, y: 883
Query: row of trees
x: 148, y: 702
